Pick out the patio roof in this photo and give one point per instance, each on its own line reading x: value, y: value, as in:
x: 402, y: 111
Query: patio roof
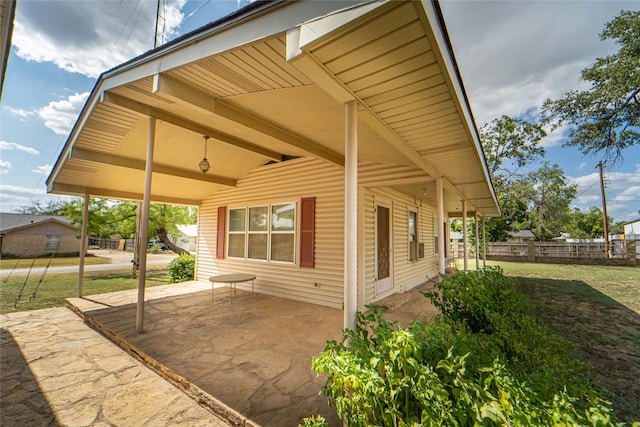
x: 266, y: 88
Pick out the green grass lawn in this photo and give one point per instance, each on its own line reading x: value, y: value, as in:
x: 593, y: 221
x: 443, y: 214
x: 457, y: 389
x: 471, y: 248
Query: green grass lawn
x: 54, y: 289
x: 621, y: 284
x: 598, y: 309
x: 10, y: 264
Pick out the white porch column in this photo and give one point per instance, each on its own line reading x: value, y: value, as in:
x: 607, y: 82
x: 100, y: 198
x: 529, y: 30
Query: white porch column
x: 144, y: 230
x: 465, y: 245
x: 442, y: 267
x: 475, y: 220
x: 351, y: 215
x: 484, y: 243
x: 83, y: 243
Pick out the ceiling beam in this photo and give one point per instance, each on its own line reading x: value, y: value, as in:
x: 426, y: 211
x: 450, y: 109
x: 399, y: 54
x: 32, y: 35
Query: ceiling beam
x: 146, y: 110
x: 58, y: 188
x: 177, y: 91
x: 243, y: 118
x: 131, y: 163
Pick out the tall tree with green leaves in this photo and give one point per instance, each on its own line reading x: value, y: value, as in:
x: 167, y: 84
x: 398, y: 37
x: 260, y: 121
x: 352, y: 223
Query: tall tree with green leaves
x: 509, y: 145
x: 587, y: 225
x: 605, y: 118
x: 549, y: 196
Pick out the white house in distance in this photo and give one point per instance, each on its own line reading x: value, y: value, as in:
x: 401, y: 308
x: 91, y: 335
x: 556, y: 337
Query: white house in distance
x: 187, y: 237
x: 336, y: 137
x: 632, y: 229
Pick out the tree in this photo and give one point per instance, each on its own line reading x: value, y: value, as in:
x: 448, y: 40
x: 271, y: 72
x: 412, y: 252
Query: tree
x: 548, y: 196
x: 109, y: 218
x: 99, y: 224
x: 509, y: 145
x: 605, y: 118
x: 587, y: 225
x: 38, y: 208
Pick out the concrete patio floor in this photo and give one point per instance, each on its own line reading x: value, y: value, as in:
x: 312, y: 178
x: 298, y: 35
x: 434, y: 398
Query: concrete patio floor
x: 247, y: 357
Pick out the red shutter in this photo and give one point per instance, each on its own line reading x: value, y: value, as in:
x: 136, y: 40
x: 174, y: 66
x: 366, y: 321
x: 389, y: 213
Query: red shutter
x: 307, y: 231
x: 220, y: 232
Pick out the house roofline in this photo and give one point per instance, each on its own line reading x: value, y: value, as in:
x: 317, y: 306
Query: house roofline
x: 458, y: 75
x: 31, y: 224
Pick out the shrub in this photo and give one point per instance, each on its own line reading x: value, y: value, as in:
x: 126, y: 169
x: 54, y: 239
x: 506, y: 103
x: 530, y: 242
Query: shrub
x: 385, y: 375
x: 484, y: 361
x: 182, y: 268
x: 488, y: 305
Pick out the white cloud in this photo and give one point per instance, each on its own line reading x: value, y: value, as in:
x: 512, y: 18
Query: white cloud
x: 15, y: 190
x: 514, y: 55
x: 582, y: 165
x: 89, y: 37
x: 4, y: 145
x: 59, y: 116
x: 42, y: 170
x: 20, y: 112
x: 5, y: 166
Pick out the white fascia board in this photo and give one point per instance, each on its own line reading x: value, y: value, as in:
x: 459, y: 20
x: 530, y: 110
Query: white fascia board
x: 318, y: 28
x: 223, y: 39
x: 90, y: 103
x: 447, y: 61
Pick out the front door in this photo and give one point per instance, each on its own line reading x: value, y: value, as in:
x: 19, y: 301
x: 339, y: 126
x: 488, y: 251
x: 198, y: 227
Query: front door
x: 384, y: 278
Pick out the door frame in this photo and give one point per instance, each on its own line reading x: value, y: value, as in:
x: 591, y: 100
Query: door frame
x: 385, y: 286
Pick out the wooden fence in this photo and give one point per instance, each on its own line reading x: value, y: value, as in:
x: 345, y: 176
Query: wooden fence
x: 115, y: 244
x: 621, y: 252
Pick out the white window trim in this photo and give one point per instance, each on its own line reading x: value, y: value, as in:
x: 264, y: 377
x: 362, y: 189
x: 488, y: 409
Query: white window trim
x: 295, y: 232
x: 417, y: 234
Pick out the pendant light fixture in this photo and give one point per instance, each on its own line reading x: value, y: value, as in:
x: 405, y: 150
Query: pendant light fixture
x: 204, y: 163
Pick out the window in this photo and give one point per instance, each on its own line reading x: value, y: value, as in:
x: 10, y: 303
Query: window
x: 436, y: 243
x: 263, y: 232
x: 52, y: 242
x: 413, y: 236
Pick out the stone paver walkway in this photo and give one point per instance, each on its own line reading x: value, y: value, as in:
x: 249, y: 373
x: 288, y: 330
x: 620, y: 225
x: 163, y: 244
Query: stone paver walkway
x: 55, y: 370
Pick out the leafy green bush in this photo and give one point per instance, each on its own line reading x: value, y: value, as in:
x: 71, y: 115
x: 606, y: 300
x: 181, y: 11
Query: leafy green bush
x: 385, y: 375
x: 484, y: 361
x: 182, y: 268
x: 488, y: 305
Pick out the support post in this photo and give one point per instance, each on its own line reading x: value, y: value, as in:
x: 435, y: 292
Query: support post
x: 442, y: 267
x: 475, y: 222
x: 144, y: 230
x: 484, y: 243
x: 83, y: 243
x: 351, y: 216
x: 465, y: 244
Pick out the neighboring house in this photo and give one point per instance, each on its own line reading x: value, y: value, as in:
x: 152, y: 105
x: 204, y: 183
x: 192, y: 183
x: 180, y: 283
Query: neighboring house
x: 632, y: 229
x: 33, y: 235
x: 335, y: 143
x: 521, y: 236
x: 187, y: 237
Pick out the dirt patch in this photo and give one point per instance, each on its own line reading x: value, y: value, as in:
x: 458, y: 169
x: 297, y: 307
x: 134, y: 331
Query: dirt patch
x: 607, y: 335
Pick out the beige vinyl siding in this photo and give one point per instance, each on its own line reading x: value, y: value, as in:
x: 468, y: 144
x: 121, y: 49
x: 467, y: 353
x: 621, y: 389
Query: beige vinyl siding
x: 285, y: 182
x: 289, y: 182
x: 406, y: 274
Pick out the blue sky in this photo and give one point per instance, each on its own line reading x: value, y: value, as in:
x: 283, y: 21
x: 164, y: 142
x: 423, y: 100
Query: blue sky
x: 512, y: 56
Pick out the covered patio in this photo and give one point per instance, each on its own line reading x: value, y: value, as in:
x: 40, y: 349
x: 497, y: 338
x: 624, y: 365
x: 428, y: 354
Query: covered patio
x: 247, y: 357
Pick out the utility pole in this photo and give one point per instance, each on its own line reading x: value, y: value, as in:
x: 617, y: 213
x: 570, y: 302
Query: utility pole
x: 604, y: 212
